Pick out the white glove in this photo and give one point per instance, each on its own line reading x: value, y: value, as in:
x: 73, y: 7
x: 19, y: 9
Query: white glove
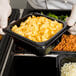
x: 72, y: 20
x: 5, y: 11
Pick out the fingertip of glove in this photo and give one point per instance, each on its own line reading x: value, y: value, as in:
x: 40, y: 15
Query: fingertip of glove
x: 1, y: 32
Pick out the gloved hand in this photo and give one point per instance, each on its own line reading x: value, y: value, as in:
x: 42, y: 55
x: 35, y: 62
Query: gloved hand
x: 71, y: 21
x: 5, y: 11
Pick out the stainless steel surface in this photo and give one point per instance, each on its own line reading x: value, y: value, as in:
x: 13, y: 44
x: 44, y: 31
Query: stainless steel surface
x: 49, y: 55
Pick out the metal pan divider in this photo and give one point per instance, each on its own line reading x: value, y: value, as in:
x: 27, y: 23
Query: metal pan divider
x: 7, y: 57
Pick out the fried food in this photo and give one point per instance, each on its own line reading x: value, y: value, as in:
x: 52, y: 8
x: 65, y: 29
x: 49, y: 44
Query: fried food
x: 68, y: 43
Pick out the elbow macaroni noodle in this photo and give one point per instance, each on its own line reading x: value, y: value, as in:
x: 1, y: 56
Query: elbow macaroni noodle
x: 38, y: 29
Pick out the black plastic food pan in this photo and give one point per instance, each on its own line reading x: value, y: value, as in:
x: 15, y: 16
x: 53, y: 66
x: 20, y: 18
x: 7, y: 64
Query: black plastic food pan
x: 51, y: 47
x: 24, y: 65
x: 62, y: 59
x: 37, y: 45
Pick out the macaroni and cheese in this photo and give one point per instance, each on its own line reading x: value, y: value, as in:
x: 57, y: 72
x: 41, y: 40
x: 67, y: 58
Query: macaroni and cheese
x: 38, y: 29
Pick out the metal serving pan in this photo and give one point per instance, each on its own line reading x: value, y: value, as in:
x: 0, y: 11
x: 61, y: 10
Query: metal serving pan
x: 41, y: 46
